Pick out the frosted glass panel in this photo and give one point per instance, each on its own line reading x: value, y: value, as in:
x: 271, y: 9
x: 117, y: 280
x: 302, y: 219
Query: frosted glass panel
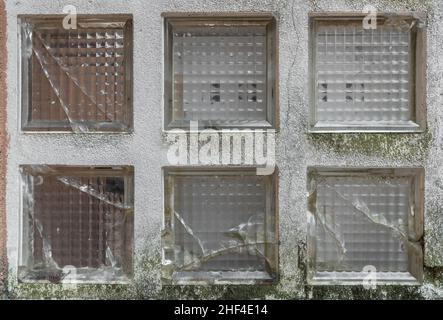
x: 220, y: 73
x: 350, y: 206
x: 218, y: 209
x: 362, y: 75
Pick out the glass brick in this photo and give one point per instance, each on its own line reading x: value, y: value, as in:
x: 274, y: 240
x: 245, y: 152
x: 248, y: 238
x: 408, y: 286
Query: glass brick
x: 365, y: 79
x: 77, y: 224
x: 76, y: 80
x: 365, y: 220
x: 219, y: 71
x: 220, y: 226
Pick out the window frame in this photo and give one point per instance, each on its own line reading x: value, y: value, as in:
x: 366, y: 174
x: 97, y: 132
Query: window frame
x: 25, y: 74
x: 415, y: 221
x: 417, y: 75
x: 168, y: 241
x: 172, y: 19
x: 127, y: 172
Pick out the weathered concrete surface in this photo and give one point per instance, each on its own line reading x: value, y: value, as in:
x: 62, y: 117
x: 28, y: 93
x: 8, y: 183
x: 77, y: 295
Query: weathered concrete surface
x: 146, y: 149
x: 3, y: 147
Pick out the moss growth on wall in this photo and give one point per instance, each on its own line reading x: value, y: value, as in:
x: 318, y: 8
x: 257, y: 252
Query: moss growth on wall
x: 405, y: 146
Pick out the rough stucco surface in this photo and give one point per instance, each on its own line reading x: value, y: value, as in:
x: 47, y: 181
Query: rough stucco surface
x: 146, y: 149
x: 3, y: 146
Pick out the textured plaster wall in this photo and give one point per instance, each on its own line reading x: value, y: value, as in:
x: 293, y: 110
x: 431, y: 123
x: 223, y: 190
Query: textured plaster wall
x: 146, y: 149
x: 3, y: 146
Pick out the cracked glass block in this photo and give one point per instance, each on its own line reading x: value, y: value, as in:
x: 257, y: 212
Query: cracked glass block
x: 77, y: 224
x: 76, y: 80
x: 365, y: 224
x: 220, y: 226
x: 220, y: 72
x: 365, y: 79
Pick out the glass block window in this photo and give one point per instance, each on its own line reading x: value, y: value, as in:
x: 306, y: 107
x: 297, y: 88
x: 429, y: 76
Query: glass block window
x: 220, y: 71
x: 220, y: 226
x: 77, y: 224
x: 367, y: 79
x: 365, y: 224
x: 76, y: 80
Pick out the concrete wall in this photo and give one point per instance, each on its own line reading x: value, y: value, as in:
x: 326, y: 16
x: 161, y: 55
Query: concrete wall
x: 146, y: 149
x: 3, y: 147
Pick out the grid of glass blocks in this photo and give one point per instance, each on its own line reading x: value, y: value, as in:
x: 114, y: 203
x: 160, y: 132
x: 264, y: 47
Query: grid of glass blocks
x: 220, y: 226
x: 77, y: 224
x: 367, y: 79
x: 76, y: 80
x: 365, y: 224
x: 220, y: 71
